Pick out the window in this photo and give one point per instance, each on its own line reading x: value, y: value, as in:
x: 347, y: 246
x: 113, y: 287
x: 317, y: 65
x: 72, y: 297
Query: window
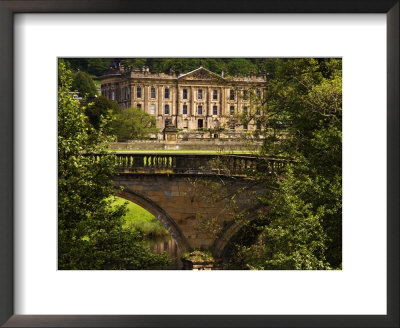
x: 215, y: 110
x: 215, y: 94
x: 184, y: 94
x: 166, y: 109
x: 258, y: 126
x: 200, y: 124
x: 232, y: 126
x: 112, y: 95
x: 166, y: 93
x: 244, y: 109
x: 232, y: 110
x: 153, y: 92
x: 184, y: 109
x: 152, y: 109
x: 185, y: 124
x: 200, y: 94
x: 244, y: 94
x: 258, y: 92
x: 244, y: 126
x: 139, y: 92
x: 139, y: 106
x: 200, y: 110
x: 232, y: 95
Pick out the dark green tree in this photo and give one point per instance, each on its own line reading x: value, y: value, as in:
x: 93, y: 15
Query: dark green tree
x: 134, y: 62
x: 90, y: 233
x: 240, y: 66
x: 180, y: 65
x: 83, y: 83
x: 76, y: 64
x: 101, y: 108
x: 133, y: 123
x: 216, y: 65
x: 96, y: 66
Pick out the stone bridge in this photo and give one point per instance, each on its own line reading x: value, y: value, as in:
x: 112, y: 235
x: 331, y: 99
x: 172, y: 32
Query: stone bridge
x: 192, y: 195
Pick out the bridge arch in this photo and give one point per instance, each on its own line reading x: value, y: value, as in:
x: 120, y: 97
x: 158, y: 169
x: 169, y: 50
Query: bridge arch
x: 222, y: 242
x: 159, y: 213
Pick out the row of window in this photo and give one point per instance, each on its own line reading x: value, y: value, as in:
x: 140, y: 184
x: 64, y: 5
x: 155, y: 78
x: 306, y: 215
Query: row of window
x: 185, y: 109
x: 126, y: 94
x: 185, y: 93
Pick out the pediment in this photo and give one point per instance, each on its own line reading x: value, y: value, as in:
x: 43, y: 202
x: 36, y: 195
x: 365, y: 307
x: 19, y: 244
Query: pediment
x: 200, y: 74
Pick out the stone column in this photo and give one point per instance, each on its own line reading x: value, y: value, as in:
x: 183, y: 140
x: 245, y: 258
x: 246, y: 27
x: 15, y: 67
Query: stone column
x: 209, y: 111
x: 191, y: 101
x: 223, y: 101
x: 173, y: 99
x: 172, y: 96
x: 239, y: 100
x: 146, y: 108
x: 159, y: 107
x: 177, y: 102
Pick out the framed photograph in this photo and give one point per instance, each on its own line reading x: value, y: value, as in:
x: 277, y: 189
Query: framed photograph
x: 187, y: 95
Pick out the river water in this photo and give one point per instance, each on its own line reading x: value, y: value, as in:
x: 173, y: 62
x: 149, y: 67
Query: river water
x: 167, y: 244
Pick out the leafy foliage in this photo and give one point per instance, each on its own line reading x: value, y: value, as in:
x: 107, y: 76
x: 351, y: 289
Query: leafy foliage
x: 93, y: 66
x: 231, y: 66
x: 241, y: 66
x: 84, y: 84
x: 90, y: 233
x: 96, y: 66
x: 301, y: 211
x: 99, y: 109
x: 133, y: 123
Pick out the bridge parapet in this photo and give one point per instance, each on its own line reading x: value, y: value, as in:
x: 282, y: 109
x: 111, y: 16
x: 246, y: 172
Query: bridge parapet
x: 195, y: 164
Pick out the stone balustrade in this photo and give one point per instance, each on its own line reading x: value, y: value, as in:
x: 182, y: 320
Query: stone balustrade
x: 195, y: 164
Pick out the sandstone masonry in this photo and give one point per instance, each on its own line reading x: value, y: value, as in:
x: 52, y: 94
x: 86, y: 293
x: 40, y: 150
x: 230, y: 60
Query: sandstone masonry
x: 197, y: 100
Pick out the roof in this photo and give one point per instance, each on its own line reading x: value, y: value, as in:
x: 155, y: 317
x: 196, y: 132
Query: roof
x: 201, y: 68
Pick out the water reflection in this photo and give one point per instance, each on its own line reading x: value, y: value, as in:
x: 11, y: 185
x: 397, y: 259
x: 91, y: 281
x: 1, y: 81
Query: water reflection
x: 167, y: 244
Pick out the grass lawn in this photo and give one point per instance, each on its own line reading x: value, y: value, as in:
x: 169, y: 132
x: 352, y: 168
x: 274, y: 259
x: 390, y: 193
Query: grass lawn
x: 139, y: 219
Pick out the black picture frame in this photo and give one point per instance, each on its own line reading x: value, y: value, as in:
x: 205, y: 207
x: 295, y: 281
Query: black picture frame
x: 10, y: 7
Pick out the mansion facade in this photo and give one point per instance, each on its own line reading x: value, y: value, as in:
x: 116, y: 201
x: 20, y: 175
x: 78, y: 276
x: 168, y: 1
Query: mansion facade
x: 197, y: 100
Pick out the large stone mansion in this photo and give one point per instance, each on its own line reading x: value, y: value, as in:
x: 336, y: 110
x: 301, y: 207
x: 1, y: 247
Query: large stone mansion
x: 197, y: 100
